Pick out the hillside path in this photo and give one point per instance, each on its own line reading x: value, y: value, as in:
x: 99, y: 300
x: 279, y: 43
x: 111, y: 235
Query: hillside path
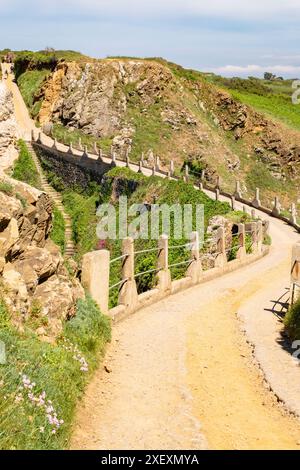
x: 183, y: 374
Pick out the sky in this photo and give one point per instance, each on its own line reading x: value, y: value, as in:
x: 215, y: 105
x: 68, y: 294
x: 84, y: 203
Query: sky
x: 228, y: 37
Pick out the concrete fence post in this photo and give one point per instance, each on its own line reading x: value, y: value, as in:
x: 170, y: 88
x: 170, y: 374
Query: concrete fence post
x: 201, y: 186
x: 140, y: 166
x: 245, y: 209
x: 242, y: 242
x: 127, y: 160
x: 293, y: 217
x: 259, y: 235
x: 295, y: 274
x: 186, y: 172
x: 32, y: 135
x: 55, y: 144
x: 217, y: 194
x: 164, y: 273
x: 85, y: 152
x: 39, y: 139
x: 100, y: 155
x: 172, y: 168
x: 80, y: 144
x: 113, y: 159
x: 218, y: 182
x: 253, y: 213
x: 253, y: 231
x: 143, y: 159
x: 95, y: 149
x: 195, y: 268
x: 203, y: 174
x: 233, y: 205
x: 153, y: 170
x: 70, y: 149
x: 157, y: 163
x: 95, y: 277
x: 238, y: 192
x: 128, y: 293
x: 221, y: 259
x: 277, y: 207
x: 256, y: 201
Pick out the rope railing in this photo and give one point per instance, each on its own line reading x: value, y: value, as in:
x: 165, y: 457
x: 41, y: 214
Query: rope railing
x: 117, y: 284
x: 148, y: 250
x: 149, y: 271
x: 119, y: 258
x: 182, y: 263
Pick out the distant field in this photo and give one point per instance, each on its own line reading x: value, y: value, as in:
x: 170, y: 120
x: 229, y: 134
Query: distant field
x: 273, y: 98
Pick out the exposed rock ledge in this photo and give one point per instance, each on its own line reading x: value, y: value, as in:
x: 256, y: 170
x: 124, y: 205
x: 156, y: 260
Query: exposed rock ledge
x: 33, y: 279
x: 8, y: 129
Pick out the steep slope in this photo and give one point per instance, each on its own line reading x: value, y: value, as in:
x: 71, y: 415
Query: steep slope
x: 157, y: 108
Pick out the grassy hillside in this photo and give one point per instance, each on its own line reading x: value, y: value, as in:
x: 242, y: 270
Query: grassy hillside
x: 184, y: 115
x: 41, y: 383
x: 273, y: 98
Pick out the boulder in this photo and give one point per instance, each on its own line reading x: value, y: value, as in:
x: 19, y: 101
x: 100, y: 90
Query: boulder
x: 9, y: 237
x: 36, y: 264
x: 57, y: 296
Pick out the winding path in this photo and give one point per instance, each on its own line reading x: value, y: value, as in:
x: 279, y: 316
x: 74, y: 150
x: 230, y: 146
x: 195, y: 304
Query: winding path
x: 195, y: 370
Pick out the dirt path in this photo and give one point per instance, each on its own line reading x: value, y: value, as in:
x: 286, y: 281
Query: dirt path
x: 183, y: 374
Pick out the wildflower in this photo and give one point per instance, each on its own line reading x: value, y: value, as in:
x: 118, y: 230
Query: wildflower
x: 42, y: 429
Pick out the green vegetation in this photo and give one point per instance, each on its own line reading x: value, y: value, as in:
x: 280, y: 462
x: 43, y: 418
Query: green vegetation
x: 30, y: 83
x: 292, y: 321
x: 57, y: 234
x: 140, y: 188
x: 273, y: 98
x: 67, y: 136
x: 36, y: 372
x: 82, y: 209
x: 24, y: 168
x: 6, y: 188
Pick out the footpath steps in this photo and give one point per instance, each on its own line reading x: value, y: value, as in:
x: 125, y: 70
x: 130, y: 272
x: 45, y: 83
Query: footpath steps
x: 57, y: 201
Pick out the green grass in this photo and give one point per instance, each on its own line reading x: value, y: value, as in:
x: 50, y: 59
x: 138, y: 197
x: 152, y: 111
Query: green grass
x: 279, y: 107
x: 54, y: 370
x: 30, y: 83
x: 67, y: 136
x: 6, y: 188
x: 165, y: 192
x: 292, y: 321
x: 24, y: 168
x: 82, y: 209
x: 57, y: 234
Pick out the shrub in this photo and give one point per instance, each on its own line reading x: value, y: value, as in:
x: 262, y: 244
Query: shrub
x: 292, y: 321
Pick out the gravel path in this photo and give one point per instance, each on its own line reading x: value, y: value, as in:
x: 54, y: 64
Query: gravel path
x: 183, y: 374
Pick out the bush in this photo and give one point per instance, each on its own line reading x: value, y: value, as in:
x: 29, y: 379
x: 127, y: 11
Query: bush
x: 292, y: 321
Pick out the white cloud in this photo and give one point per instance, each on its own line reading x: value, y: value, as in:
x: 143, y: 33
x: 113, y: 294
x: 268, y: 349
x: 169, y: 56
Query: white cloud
x: 248, y: 70
x: 236, y: 9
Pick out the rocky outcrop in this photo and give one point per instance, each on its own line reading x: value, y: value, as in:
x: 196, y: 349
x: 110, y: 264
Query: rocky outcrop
x: 32, y: 272
x: 8, y: 129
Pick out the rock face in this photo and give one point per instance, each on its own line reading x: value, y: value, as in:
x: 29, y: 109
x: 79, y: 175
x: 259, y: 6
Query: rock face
x: 33, y: 279
x: 149, y: 107
x: 8, y: 129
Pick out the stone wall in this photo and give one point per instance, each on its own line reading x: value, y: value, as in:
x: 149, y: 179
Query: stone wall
x: 74, y: 171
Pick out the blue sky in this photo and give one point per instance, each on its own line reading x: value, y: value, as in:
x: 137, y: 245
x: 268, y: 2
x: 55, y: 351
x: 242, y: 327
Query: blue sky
x: 230, y: 37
